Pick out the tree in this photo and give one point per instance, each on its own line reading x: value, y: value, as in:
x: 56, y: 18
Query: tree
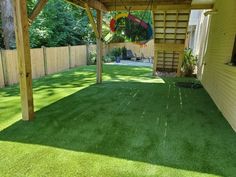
x: 7, y: 22
x: 60, y: 24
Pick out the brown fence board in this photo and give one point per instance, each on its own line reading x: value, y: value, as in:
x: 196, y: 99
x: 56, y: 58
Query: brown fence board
x: 37, y: 62
x: 1, y: 73
x: 11, y: 64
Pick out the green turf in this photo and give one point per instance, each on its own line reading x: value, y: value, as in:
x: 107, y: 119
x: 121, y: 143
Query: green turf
x: 132, y: 125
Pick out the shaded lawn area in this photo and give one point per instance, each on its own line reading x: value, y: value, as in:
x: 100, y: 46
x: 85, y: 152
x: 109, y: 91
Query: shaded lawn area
x: 132, y: 125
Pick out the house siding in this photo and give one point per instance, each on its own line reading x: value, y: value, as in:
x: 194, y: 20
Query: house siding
x: 219, y: 79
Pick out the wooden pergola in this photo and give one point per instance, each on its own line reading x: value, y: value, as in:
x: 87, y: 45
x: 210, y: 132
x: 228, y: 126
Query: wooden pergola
x: 164, y: 41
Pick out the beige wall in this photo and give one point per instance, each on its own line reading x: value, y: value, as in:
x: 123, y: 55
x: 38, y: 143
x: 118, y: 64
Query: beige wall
x: 218, y: 78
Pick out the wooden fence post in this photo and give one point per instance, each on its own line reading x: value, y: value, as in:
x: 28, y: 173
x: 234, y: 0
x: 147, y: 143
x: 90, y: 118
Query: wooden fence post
x: 45, y: 60
x: 181, y: 57
x: 1, y: 61
x: 69, y: 51
x: 87, y: 53
x: 154, y: 71
x: 4, y: 68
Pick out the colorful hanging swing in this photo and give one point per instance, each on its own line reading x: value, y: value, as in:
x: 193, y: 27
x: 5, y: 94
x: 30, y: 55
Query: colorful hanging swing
x: 141, y: 24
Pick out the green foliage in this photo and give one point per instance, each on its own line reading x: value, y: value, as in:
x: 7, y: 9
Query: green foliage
x: 124, y: 53
x: 60, y: 24
x: 1, y: 38
x: 189, y: 62
x: 134, y: 31
x: 116, y: 52
x: 92, y: 58
x: 108, y: 58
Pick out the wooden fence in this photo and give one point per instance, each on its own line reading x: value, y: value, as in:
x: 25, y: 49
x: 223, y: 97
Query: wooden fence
x: 146, y: 50
x: 44, y: 61
x: 51, y: 60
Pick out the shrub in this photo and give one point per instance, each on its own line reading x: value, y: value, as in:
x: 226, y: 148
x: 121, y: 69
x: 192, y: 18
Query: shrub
x: 108, y: 58
x: 92, y: 58
x: 116, y: 52
x: 189, y: 63
x: 124, y: 53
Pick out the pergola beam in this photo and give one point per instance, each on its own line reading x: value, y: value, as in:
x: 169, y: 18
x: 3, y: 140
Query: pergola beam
x: 158, y: 6
x: 92, y: 21
x: 95, y: 4
x: 24, y: 61
x: 37, y: 9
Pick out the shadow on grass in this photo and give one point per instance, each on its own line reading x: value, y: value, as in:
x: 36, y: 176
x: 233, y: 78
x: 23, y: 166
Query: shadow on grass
x: 147, y: 122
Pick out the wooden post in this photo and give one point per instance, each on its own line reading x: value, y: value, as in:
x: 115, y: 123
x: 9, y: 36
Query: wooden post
x: 99, y: 47
x: 91, y: 19
x: 87, y: 53
x: 69, y: 51
x: 45, y: 61
x: 24, y: 62
x: 2, y: 66
x: 155, y: 62
x: 4, y: 69
x: 181, y: 57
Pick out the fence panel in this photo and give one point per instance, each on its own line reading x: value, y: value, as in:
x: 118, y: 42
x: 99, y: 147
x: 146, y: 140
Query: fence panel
x: 62, y: 58
x: 11, y: 66
x: 37, y: 63
x: 51, y: 58
x: 78, y: 55
x: 1, y: 73
x: 57, y: 59
x: 146, y: 50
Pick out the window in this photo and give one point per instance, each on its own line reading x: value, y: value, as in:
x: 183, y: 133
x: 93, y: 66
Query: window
x: 233, y: 60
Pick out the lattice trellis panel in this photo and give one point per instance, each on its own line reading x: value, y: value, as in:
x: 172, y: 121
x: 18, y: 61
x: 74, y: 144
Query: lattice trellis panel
x: 170, y: 28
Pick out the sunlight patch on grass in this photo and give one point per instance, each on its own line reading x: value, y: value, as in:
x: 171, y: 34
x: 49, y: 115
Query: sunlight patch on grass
x: 50, y: 161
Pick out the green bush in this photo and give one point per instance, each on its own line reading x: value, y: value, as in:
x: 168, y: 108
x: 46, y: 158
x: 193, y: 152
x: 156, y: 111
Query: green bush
x: 92, y: 58
x: 189, y: 63
x: 124, y: 53
x: 116, y: 52
x: 108, y: 58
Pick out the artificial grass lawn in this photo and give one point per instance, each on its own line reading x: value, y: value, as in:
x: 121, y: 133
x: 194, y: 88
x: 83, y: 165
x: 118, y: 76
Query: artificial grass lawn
x: 132, y: 125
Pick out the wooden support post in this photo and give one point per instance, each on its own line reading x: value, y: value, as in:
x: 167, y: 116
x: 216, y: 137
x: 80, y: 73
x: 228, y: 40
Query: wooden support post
x: 181, y: 57
x: 69, y: 51
x: 154, y: 71
x: 87, y: 53
x: 24, y: 62
x: 4, y: 69
x: 45, y: 61
x: 91, y: 19
x: 99, y: 47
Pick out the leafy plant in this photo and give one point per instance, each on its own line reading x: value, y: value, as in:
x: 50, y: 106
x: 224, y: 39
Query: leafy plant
x: 124, y: 53
x: 92, y: 58
x: 189, y: 63
x: 108, y: 58
x: 116, y: 52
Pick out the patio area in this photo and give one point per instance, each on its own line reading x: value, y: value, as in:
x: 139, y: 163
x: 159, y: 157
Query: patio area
x: 131, y: 125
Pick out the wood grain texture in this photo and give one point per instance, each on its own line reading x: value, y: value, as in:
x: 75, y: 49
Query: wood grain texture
x: 24, y: 61
x: 2, y: 83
